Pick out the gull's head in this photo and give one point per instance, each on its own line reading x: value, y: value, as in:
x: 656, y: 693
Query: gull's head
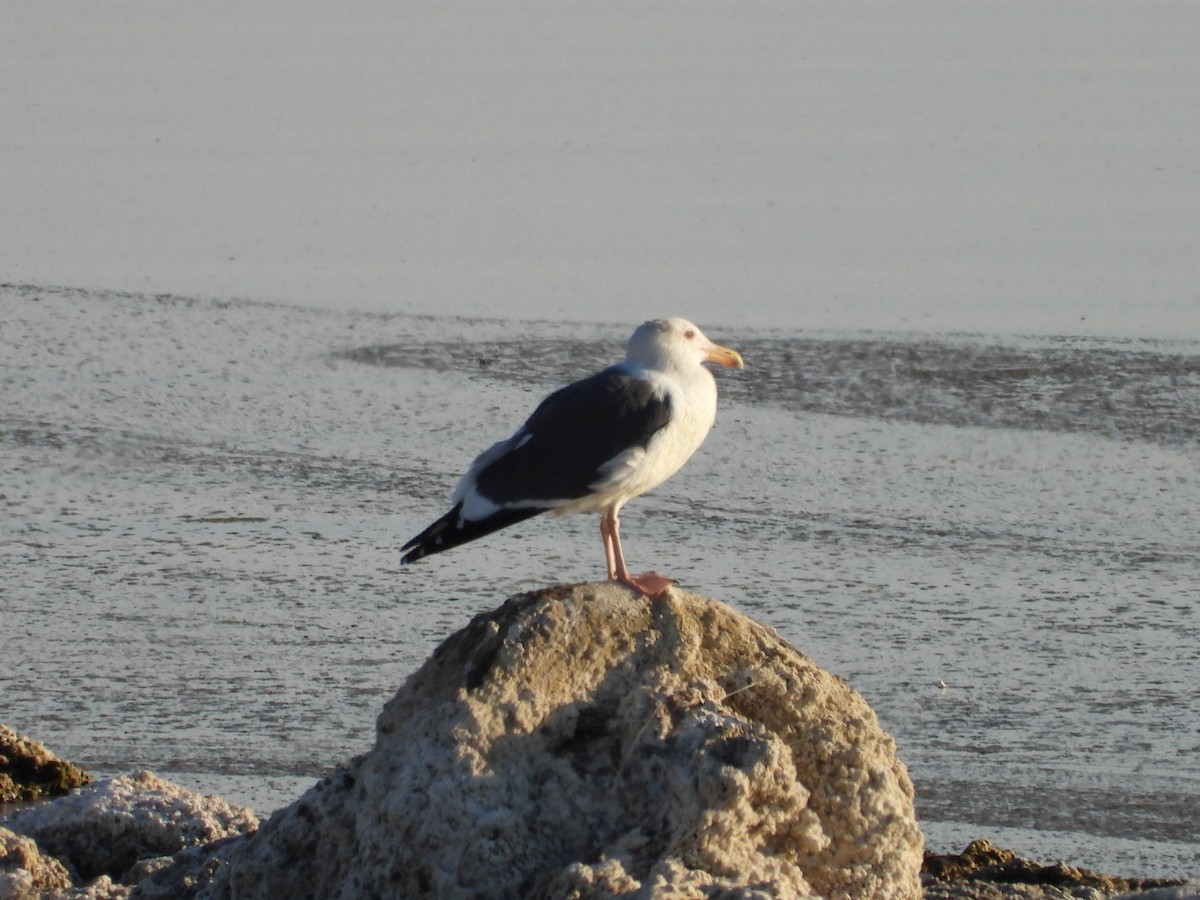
x: 672, y: 343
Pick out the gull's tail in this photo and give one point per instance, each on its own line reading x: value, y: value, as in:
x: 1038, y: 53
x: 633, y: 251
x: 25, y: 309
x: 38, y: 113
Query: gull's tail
x: 452, y: 529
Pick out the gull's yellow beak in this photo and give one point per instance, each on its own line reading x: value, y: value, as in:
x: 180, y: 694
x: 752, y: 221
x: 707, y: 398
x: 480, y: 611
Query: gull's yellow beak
x: 723, y: 356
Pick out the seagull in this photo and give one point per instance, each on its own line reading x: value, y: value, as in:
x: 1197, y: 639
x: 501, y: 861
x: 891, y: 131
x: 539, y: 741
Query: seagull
x: 594, y: 445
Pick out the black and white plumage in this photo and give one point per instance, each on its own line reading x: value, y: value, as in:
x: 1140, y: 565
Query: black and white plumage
x: 593, y: 445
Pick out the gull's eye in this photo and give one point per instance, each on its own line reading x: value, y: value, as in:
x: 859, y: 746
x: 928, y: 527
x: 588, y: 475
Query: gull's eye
x: 689, y: 334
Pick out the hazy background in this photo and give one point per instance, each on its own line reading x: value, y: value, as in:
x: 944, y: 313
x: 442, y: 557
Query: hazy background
x: 1028, y: 168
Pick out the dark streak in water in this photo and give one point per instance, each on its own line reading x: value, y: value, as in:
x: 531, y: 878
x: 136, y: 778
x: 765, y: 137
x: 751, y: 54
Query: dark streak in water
x: 1146, y: 390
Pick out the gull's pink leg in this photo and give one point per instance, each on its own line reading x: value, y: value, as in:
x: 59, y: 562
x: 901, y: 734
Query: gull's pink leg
x: 648, y: 584
x: 606, y: 536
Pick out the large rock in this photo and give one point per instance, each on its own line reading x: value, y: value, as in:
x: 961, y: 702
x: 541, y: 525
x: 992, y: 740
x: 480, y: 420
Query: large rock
x: 580, y: 742
x: 29, y: 771
x: 107, y: 827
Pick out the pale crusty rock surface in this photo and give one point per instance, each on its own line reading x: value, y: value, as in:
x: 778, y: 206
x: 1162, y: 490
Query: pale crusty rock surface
x: 103, y: 829
x: 28, y: 874
x: 580, y: 742
x: 24, y: 870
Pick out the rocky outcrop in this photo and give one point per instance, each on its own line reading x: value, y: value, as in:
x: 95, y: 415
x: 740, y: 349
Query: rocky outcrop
x: 581, y: 742
x: 29, y: 771
x: 106, y: 831
x: 985, y: 872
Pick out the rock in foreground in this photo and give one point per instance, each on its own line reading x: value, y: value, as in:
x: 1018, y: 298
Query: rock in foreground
x: 985, y: 872
x: 579, y: 742
x: 29, y: 771
x: 106, y: 828
x: 25, y: 871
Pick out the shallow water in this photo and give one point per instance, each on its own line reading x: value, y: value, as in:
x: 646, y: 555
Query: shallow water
x: 994, y: 540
